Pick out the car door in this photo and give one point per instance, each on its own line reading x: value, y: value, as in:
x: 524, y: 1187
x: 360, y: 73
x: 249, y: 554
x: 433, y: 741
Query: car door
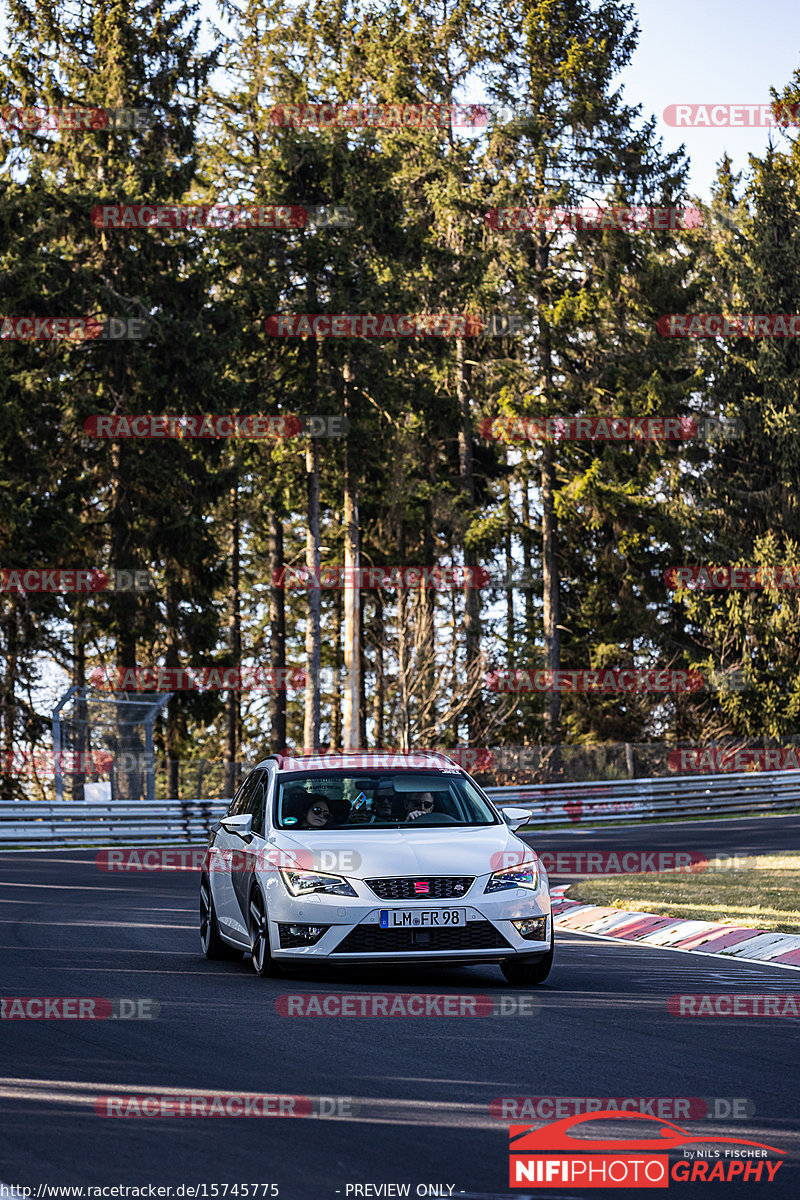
x: 249, y: 853
x: 226, y: 858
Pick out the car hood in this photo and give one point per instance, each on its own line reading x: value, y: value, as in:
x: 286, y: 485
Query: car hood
x: 417, y: 851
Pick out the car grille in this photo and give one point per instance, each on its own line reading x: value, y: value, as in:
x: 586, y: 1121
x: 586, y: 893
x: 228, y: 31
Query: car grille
x: 441, y: 887
x: 371, y: 939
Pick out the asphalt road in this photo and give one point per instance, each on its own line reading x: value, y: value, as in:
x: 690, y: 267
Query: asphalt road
x: 419, y: 1088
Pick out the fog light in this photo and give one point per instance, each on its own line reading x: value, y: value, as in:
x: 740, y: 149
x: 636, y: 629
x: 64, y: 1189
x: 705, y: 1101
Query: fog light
x: 300, y: 935
x: 533, y: 929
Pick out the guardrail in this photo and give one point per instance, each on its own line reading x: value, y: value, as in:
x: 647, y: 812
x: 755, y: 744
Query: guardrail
x: 29, y: 823
x: 679, y: 796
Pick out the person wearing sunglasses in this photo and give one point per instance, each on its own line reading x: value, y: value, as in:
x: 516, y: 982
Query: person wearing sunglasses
x: 318, y: 815
x: 417, y: 804
x: 311, y: 811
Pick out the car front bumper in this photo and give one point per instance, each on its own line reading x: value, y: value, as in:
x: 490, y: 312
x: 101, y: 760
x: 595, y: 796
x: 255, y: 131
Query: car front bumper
x: 353, y: 932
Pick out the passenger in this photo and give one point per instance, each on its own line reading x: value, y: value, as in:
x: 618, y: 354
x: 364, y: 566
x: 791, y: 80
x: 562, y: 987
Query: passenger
x: 340, y: 810
x: 311, y: 811
x: 382, y: 809
x: 317, y: 815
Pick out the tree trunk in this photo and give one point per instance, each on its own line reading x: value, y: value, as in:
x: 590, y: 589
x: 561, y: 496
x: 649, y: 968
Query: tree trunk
x: 8, y: 697
x: 129, y: 746
x: 403, y: 668
x: 511, y: 649
x: 277, y: 636
x: 234, y: 703
x: 362, y: 685
x: 172, y: 733
x: 351, y: 707
x: 311, y: 727
x: 379, y: 697
x: 336, y: 698
x: 550, y: 577
x: 471, y: 606
x: 527, y: 560
x: 425, y: 644
x: 82, y: 741
x: 552, y: 636
x: 455, y: 733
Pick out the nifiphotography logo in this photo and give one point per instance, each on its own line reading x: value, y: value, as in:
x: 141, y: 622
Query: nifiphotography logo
x: 549, y: 1156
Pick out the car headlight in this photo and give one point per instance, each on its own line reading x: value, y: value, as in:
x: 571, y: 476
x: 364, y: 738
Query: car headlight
x: 302, y: 883
x: 525, y: 875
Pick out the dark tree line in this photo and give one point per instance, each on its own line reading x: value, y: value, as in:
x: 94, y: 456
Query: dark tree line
x: 586, y: 528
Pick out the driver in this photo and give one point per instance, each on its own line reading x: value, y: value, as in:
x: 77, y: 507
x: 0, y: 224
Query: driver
x: 418, y: 803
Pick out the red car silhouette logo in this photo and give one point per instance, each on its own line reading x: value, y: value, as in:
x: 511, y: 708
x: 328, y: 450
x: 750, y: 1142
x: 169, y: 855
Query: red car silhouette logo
x: 526, y: 1139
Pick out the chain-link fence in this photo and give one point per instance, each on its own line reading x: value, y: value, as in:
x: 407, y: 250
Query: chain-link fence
x: 103, y: 746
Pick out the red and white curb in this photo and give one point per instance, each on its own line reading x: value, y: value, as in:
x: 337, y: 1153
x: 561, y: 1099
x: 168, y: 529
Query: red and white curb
x: 647, y: 929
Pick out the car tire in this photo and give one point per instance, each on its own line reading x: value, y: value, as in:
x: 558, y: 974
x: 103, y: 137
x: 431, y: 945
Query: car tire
x: 521, y: 973
x: 263, y: 962
x: 210, y: 937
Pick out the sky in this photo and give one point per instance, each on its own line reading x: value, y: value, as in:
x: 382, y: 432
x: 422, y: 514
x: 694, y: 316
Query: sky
x: 712, y: 52
x: 705, y: 52
x: 696, y: 52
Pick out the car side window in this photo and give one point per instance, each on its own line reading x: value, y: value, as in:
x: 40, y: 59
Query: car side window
x: 258, y: 800
x: 241, y: 801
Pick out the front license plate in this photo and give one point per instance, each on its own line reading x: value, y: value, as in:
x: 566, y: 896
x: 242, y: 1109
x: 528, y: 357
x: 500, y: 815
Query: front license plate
x: 427, y: 918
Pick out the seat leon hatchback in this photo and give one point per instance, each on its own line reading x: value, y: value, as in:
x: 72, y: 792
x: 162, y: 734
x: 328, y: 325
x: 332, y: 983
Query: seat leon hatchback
x: 373, y: 858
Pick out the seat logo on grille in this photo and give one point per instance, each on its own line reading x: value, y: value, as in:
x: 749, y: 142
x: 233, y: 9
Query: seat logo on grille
x: 422, y: 887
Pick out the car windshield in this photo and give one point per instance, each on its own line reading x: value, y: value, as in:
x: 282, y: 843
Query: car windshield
x: 376, y: 800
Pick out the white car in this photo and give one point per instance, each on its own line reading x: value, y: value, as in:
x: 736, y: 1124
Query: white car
x: 373, y: 858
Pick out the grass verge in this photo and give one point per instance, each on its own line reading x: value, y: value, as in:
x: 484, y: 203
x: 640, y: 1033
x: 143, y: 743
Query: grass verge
x: 760, y: 892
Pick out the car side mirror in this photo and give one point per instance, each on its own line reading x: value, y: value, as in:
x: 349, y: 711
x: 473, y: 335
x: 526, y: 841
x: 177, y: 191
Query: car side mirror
x: 516, y: 817
x: 241, y: 825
